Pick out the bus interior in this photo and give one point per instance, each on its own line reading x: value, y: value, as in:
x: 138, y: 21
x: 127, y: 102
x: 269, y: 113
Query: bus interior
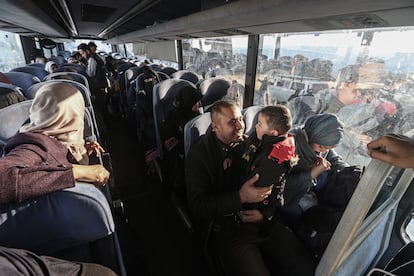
x: 256, y: 53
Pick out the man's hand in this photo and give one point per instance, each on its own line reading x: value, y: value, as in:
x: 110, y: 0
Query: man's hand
x: 251, y: 216
x: 252, y: 194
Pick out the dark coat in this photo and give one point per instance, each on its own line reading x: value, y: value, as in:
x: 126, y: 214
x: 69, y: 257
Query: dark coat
x: 212, y: 191
x: 271, y: 159
x: 34, y: 164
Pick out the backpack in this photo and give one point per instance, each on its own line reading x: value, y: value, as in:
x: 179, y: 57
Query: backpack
x: 319, y: 222
x: 340, y: 185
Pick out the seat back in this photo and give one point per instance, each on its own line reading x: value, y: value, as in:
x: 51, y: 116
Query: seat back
x: 59, y: 60
x: 185, y: 75
x: 41, y: 73
x: 168, y: 70
x: 70, y: 67
x: 213, y: 89
x: 164, y: 94
x: 68, y: 76
x: 194, y: 129
x: 36, y: 64
x: 12, y: 118
x: 250, y: 115
x: 22, y: 79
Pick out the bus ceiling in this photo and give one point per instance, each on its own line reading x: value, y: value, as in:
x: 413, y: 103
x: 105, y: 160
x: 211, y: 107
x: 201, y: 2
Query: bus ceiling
x: 159, y: 20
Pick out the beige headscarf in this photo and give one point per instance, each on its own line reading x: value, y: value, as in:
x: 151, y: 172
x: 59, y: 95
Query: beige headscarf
x: 58, y: 111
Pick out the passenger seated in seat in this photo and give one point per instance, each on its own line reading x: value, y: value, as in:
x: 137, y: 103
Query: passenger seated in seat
x: 215, y: 197
x: 186, y: 106
x: 49, y: 153
x: 8, y: 96
x: 271, y: 154
x: 23, y: 262
x: 315, y: 144
x: 50, y: 67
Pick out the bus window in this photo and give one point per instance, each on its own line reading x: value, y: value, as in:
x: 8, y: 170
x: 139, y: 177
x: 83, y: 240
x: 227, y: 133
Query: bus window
x: 367, y: 85
x: 11, y: 54
x: 222, y: 57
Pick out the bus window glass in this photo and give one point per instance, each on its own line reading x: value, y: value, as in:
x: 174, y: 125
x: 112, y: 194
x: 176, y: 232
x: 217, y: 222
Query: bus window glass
x: 368, y: 84
x: 11, y: 54
x: 222, y: 57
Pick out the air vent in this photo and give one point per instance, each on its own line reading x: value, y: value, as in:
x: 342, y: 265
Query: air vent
x: 349, y: 21
x: 92, y: 13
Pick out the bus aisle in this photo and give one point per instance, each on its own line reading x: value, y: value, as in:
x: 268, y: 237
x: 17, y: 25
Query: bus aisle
x: 154, y: 240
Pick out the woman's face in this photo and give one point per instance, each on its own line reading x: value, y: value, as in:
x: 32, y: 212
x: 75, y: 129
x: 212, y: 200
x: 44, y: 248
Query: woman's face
x: 321, y: 149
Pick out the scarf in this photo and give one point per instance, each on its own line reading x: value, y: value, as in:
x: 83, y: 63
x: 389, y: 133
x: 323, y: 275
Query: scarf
x: 57, y: 111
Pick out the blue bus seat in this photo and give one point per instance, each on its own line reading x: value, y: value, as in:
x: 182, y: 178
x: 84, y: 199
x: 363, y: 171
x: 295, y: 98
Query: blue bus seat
x: 250, y: 115
x: 72, y: 67
x: 186, y: 75
x: 59, y: 60
x: 37, y: 64
x: 41, y: 73
x: 168, y: 71
x: 194, y: 129
x: 22, y: 79
x: 12, y: 118
x: 68, y: 76
x: 213, y: 89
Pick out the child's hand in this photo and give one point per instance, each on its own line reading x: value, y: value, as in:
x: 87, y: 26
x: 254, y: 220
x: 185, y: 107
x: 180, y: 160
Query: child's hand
x: 321, y: 165
x: 93, y: 147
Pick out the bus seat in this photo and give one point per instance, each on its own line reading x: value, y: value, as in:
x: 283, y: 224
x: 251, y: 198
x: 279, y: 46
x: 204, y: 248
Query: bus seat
x: 41, y: 73
x: 250, y: 115
x: 185, y: 75
x: 194, y: 129
x: 4, y: 79
x: 168, y: 70
x: 57, y: 221
x: 12, y: 118
x: 213, y: 89
x: 22, y: 80
x: 162, y: 76
x: 36, y: 64
x: 68, y: 76
x: 72, y: 67
x: 59, y: 60
x: 70, y: 222
x: 163, y: 98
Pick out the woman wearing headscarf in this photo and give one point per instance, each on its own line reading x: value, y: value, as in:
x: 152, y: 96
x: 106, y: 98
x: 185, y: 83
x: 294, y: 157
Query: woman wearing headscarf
x: 186, y: 106
x: 315, y: 144
x: 51, y: 67
x: 49, y: 153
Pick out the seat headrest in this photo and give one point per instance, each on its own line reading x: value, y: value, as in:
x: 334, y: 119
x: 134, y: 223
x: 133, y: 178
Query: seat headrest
x: 12, y: 118
x: 194, y: 129
x: 250, y: 115
x: 213, y: 89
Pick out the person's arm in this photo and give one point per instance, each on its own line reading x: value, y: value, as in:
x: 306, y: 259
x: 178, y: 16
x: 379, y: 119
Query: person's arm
x: 23, y: 175
x: 398, y: 150
x: 336, y: 160
x: 297, y: 185
x: 95, y: 174
x: 91, y: 69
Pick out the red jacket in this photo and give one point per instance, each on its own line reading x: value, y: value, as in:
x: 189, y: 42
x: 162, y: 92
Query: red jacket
x: 34, y: 164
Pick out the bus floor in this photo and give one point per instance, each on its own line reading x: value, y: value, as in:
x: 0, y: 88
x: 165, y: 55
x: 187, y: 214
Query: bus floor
x: 154, y: 240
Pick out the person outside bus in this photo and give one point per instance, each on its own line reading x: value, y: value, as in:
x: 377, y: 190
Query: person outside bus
x: 271, y: 154
x: 215, y: 196
x: 49, y: 154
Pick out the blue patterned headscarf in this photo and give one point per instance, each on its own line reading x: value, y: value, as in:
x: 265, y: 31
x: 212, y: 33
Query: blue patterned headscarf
x: 324, y: 129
